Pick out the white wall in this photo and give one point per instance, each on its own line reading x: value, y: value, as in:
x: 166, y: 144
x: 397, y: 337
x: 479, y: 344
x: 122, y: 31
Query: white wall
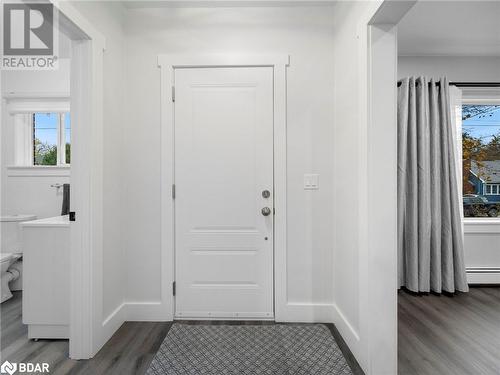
x: 456, y: 68
x: 364, y: 269
x: 306, y: 34
x: 31, y: 195
x: 482, y: 255
x: 107, y: 17
x: 37, y: 81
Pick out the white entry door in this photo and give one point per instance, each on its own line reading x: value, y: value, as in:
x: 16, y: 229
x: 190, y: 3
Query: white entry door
x: 224, y: 192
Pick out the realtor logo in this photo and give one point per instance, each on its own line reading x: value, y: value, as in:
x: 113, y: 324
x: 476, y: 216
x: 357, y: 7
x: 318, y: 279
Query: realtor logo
x: 8, y: 368
x: 29, y: 36
x: 28, y: 29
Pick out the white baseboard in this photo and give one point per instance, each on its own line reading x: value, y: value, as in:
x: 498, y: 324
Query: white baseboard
x: 294, y: 312
x: 342, y: 323
x: 483, y: 275
x: 348, y: 333
x: 148, y: 312
x: 109, y: 326
x: 306, y: 313
x: 113, y: 321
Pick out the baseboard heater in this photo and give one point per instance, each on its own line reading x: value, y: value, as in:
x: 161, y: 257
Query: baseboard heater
x: 483, y: 275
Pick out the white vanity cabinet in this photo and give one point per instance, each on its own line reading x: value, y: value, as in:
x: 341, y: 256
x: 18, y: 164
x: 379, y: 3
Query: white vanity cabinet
x: 46, y: 279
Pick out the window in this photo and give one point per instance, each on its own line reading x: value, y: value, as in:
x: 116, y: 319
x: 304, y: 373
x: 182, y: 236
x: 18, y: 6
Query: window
x: 51, y: 138
x: 492, y: 189
x: 481, y: 159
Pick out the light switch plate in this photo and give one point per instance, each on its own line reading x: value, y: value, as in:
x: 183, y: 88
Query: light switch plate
x: 311, y: 181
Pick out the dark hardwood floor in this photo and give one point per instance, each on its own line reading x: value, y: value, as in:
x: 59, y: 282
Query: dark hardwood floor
x: 456, y: 335
x: 128, y: 352
x: 438, y: 335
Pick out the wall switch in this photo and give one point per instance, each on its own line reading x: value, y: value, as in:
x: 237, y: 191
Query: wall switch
x: 311, y: 181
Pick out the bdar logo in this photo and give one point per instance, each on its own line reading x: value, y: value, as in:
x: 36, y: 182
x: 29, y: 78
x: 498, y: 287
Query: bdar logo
x: 8, y: 368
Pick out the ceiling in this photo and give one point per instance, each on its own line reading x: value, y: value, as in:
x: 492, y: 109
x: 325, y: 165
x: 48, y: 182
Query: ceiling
x: 132, y: 4
x: 451, y: 28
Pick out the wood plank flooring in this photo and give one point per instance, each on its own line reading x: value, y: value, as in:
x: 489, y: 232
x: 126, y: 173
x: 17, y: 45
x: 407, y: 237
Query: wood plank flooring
x: 456, y: 335
x: 128, y: 352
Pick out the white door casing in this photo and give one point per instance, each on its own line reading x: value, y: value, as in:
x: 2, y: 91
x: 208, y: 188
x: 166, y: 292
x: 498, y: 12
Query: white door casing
x: 168, y: 63
x: 223, y: 126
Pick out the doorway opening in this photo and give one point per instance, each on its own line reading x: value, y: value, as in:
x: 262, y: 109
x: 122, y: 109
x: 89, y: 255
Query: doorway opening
x: 55, y: 119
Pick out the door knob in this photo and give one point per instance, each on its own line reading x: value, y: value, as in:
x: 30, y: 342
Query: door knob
x: 266, y: 211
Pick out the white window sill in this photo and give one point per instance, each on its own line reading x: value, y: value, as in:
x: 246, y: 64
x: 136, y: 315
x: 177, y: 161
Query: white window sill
x: 489, y: 225
x: 38, y: 171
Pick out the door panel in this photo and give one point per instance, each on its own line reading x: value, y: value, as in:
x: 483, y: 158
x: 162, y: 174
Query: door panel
x: 223, y: 162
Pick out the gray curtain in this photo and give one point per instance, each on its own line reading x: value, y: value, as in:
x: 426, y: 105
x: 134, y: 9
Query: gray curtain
x: 430, y: 236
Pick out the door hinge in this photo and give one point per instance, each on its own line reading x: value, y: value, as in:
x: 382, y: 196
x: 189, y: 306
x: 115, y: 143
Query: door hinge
x: 173, y: 288
x: 173, y: 191
x: 173, y: 93
x: 72, y: 216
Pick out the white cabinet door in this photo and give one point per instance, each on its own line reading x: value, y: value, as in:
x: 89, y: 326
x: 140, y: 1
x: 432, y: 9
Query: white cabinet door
x: 223, y: 164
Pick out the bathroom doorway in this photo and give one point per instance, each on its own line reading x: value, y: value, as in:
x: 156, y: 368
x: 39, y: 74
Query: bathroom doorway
x: 35, y: 180
x: 56, y: 135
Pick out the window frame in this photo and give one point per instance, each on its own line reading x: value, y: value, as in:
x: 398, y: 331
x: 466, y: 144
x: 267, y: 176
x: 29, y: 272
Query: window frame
x: 20, y: 107
x: 61, y: 139
x: 478, y: 96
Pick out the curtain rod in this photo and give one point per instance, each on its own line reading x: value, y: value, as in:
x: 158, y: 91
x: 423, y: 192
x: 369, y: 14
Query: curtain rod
x: 469, y: 84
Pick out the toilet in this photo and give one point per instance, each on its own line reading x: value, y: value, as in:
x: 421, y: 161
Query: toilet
x: 11, y: 254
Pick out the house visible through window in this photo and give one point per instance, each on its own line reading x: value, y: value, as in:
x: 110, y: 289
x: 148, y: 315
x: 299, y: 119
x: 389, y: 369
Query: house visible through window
x: 51, y: 138
x: 481, y: 160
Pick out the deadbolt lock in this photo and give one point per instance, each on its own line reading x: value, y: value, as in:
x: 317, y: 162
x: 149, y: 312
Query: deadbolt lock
x: 266, y: 193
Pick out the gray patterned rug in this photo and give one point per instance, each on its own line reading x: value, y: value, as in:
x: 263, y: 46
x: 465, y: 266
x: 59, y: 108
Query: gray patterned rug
x: 249, y: 349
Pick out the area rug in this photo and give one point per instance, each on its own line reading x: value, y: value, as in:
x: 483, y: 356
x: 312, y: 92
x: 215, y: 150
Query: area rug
x: 249, y: 349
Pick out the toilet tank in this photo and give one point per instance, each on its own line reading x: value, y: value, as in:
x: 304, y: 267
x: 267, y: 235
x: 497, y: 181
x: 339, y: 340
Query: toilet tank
x: 11, y: 232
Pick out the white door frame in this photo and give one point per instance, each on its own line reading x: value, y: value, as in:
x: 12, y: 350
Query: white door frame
x: 87, y: 331
x: 167, y: 64
x: 378, y: 52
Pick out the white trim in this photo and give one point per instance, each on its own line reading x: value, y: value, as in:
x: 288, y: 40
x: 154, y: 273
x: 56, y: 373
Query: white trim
x: 481, y: 95
x: 167, y: 64
x: 487, y: 184
x: 343, y: 324
x: 479, y: 101
x: 87, y: 334
x: 32, y: 105
x: 22, y: 116
x: 378, y: 227
x: 296, y: 312
x: 219, y: 60
x: 481, y: 225
x: 12, y: 96
x: 154, y: 311
x: 23, y: 138
x: 39, y: 171
x: 82, y: 322
x: 479, y: 178
x: 80, y: 28
x: 483, y: 275
x: 114, y: 320
x: 224, y: 317
x: 61, y: 140
x: 308, y: 312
